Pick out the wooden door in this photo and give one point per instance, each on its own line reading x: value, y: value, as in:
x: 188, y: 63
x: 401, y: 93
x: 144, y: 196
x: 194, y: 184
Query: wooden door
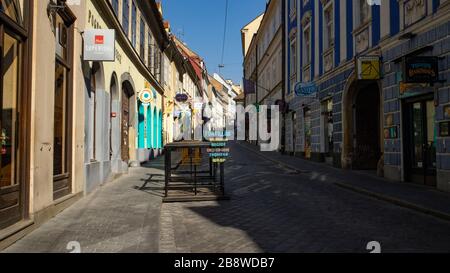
x: 125, y: 147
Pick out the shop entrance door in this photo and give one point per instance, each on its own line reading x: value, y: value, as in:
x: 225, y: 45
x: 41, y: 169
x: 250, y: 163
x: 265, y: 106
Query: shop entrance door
x: 420, y: 133
x: 125, y: 147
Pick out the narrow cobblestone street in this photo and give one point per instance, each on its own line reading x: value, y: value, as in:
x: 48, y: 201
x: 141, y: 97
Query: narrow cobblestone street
x: 272, y: 209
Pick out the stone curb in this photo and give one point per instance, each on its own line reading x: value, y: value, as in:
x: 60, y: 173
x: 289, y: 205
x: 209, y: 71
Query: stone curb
x: 392, y: 200
x: 395, y: 201
x: 274, y: 160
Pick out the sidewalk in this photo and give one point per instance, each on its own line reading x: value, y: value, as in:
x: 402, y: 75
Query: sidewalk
x: 420, y: 198
x: 117, y: 217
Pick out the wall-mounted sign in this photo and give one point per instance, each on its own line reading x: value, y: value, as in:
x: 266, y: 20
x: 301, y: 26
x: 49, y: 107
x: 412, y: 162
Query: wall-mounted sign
x: 444, y: 129
x: 421, y: 70
x: 306, y: 89
x: 369, y: 68
x: 181, y: 97
x: 447, y: 111
x: 99, y: 45
x: 146, y: 96
x: 391, y: 132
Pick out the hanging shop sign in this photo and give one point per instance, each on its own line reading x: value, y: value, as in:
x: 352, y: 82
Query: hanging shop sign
x: 146, y: 96
x: 181, y: 97
x: 306, y: 89
x: 369, y: 68
x: 99, y: 45
x: 421, y: 69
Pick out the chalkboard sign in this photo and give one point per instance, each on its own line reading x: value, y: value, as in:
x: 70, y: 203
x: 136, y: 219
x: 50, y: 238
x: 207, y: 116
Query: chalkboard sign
x: 421, y: 69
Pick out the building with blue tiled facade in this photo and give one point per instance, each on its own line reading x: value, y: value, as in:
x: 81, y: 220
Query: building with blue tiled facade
x: 375, y: 104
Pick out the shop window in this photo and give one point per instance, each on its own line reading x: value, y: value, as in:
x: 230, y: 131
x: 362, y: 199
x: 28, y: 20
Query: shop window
x: 10, y: 88
x: 12, y: 9
x: 13, y: 94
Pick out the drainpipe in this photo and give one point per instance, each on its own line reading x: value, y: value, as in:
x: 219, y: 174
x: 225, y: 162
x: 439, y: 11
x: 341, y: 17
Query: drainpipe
x: 283, y: 73
x: 256, y: 100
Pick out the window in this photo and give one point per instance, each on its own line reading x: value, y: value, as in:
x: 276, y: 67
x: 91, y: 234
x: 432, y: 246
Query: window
x: 307, y: 45
x: 328, y: 31
x: 157, y: 64
x: 115, y: 5
x: 133, y: 24
x: 142, y: 39
x: 293, y: 7
x: 126, y: 16
x: 293, y: 60
x: 62, y: 115
x: 151, y: 54
x: 60, y: 121
x: 10, y: 88
x: 327, y: 112
x: 363, y: 14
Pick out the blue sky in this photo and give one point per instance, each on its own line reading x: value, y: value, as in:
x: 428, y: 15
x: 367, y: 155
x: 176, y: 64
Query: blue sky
x: 202, y: 23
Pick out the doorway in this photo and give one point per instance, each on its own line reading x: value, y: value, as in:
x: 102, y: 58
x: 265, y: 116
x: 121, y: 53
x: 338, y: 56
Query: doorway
x: 366, y: 127
x: 420, y: 141
x: 125, y: 139
x: 308, y: 131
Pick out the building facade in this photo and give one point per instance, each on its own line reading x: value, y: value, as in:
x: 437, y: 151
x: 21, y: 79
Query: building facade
x: 70, y: 125
x: 114, y: 106
x: 42, y: 98
x: 264, y: 61
x: 353, y: 100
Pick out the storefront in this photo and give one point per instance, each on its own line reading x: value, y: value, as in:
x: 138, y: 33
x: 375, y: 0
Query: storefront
x: 149, y: 124
x: 420, y: 99
x: 14, y: 102
x: 417, y: 116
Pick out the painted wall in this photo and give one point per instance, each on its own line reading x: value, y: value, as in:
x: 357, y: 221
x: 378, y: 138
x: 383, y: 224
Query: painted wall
x: 42, y: 108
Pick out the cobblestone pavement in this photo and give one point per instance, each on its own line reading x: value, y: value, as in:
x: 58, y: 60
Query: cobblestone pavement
x: 273, y: 209
x: 117, y: 217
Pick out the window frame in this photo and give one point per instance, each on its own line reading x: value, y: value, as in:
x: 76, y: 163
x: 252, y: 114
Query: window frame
x: 68, y: 18
x: 126, y: 17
